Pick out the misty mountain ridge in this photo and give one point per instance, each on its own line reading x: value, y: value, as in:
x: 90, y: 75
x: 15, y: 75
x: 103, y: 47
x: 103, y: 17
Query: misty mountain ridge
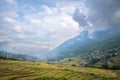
x: 78, y: 45
x: 13, y: 56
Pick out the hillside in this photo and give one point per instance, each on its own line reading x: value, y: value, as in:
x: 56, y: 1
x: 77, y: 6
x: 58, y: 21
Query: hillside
x: 101, y: 51
x: 104, y: 54
x: 84, y: 44
x: 106, y: 45
x: 21, y: 70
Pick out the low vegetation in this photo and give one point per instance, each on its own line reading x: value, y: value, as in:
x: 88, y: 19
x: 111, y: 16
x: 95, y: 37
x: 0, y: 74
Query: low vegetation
x: 23, y: 70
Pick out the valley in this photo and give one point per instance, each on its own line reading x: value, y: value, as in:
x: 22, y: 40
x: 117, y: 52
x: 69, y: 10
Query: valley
x: 59, y: 39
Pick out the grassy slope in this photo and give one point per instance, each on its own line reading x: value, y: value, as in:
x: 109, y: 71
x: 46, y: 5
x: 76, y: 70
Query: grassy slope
x: 20, y: 70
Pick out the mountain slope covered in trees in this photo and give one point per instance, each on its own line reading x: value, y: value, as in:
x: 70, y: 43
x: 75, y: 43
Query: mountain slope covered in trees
x: 102, y: 50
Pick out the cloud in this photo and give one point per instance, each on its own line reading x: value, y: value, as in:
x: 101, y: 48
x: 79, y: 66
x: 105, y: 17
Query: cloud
x: 10, y: 26
x: 102, y: 14
x: 8, y: 20
x: 80, y: 18
x: 8, y: 8
x: 46, y: 27
x: 11, y: 1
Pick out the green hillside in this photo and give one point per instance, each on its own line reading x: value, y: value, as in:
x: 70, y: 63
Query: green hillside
x: 104, y: 52
x: 105, y: 45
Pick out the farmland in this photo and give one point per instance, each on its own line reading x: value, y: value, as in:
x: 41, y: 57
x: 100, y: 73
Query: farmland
x: 24, y: 70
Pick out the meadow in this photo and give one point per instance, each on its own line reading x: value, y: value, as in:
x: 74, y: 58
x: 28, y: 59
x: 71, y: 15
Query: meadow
x: 24, y: 70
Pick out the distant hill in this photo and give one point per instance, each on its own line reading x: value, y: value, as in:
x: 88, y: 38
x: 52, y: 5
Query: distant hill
x: 12, y: 56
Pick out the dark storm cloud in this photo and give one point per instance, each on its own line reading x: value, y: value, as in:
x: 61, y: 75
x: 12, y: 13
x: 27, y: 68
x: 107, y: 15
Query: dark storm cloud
x: 105, y: 11
x: 102, y: 13
x: 80, y: 18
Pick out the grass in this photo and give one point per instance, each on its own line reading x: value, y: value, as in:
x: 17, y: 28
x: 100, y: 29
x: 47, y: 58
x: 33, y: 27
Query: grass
x: 21, y: 70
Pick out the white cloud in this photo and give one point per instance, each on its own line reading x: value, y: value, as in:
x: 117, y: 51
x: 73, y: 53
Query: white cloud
x: 9, y: 20
x: 11, y: 1
x: 18, y: 28
x: 53, y: 28
x: 46, y: 10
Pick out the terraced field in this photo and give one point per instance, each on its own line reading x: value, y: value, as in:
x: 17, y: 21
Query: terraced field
x: 21, y: 70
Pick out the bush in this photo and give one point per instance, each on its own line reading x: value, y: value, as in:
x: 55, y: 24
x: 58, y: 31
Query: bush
x: 5, y: 58
x: 115, y: 67
x: 74, y: 65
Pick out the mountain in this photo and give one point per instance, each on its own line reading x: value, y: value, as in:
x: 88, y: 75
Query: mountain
x: 83, y: 43
x: 102, y: 50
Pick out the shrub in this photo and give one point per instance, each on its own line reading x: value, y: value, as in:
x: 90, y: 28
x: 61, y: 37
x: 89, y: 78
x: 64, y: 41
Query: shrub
x: 74, y: 65
x: 115, y: 67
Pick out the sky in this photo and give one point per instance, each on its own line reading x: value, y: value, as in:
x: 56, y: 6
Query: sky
x: 38, y: 26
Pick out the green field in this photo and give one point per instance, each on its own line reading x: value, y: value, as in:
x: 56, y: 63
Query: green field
x: 21, y: 70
